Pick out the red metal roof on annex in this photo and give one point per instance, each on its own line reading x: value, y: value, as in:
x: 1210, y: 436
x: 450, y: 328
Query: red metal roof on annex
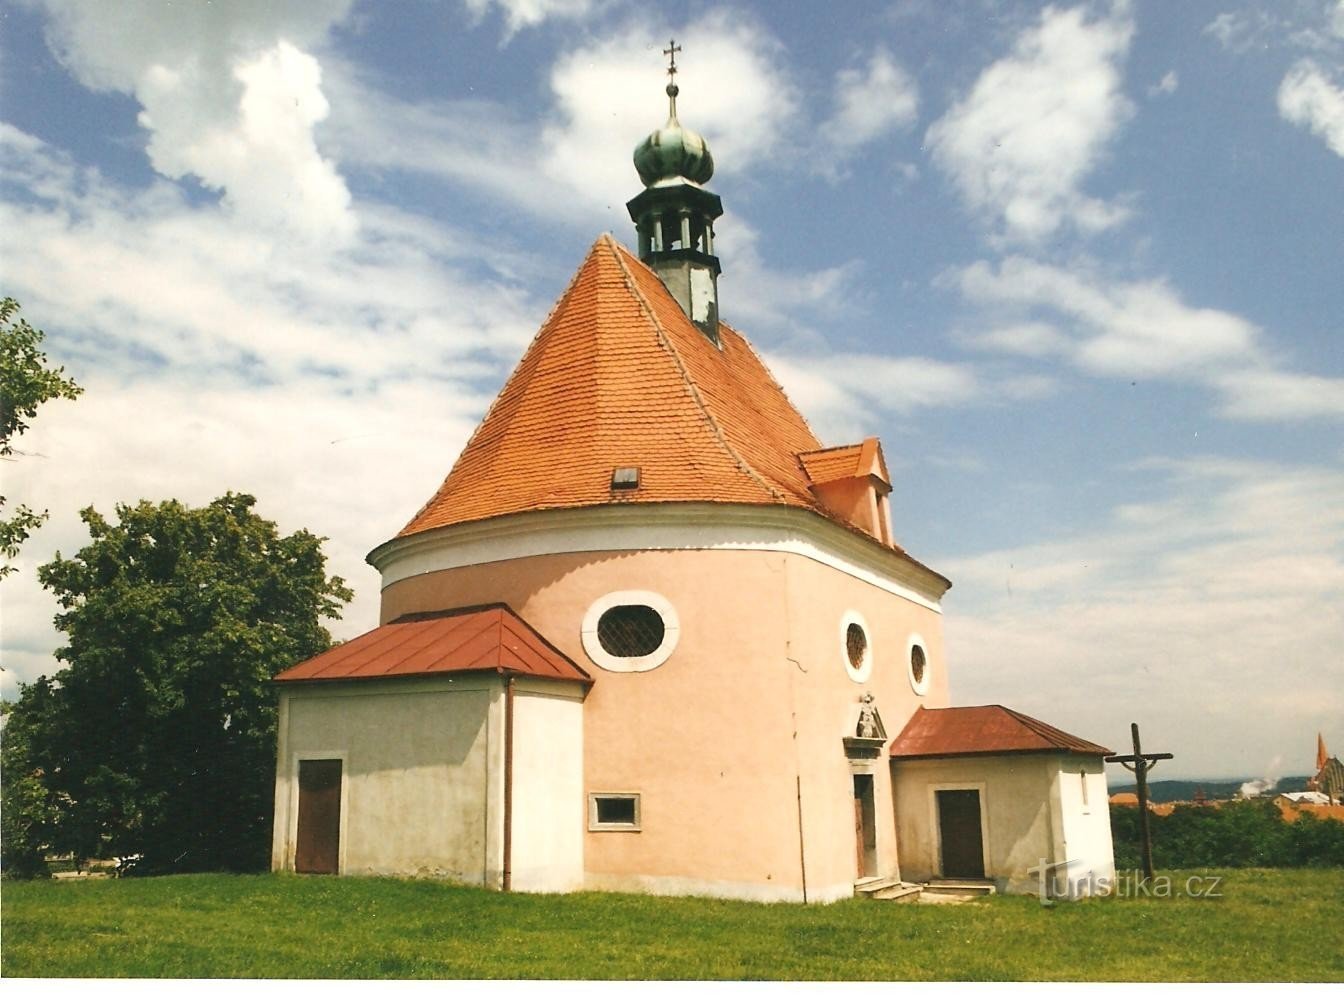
x: 482, y: 639
x: 968, y: 731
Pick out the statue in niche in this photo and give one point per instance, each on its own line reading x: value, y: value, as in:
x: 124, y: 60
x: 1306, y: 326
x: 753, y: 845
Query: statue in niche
x: 870, y: 725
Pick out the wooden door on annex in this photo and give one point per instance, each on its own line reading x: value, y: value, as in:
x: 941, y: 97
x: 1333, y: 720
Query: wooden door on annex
x: 317, y: 849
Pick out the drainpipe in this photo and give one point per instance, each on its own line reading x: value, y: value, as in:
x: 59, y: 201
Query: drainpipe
x: 508, y: 783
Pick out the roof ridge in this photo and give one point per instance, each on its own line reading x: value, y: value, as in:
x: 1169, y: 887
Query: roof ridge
x: 497, y: 403
x: 691, y: 387
x: 1045, y: 730
x: 807, y: 425
x: 830, y: 448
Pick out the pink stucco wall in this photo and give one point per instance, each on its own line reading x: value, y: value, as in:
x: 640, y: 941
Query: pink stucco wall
x: 744, y: 718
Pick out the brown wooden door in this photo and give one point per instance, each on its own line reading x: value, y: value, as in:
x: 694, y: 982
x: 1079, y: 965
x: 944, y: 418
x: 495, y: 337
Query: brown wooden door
x: 959, y: 831
x: 318, y: 847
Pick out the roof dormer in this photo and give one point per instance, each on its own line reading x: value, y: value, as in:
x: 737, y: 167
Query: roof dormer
x: 852, y: 483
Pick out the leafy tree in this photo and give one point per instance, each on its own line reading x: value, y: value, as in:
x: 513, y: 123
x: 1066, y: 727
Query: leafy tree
x: 157, y: 737
x: 29, y: 812
x: 25, y: 384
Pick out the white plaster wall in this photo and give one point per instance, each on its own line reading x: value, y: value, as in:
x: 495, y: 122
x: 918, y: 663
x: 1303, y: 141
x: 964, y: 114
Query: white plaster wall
x: 417, y: 796
x: 1017, y: 814
x: 548, y: 798
x: 1086, y: 827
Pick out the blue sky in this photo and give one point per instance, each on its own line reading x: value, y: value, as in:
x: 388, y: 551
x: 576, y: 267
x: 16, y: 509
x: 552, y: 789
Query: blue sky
x: 1078, y: 265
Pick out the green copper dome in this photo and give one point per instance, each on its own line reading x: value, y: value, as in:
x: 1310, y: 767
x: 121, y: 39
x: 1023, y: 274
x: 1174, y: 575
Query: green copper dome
x: 673, y: 151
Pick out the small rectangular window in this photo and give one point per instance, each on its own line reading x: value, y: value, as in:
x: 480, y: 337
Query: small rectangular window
x: 1082, y: 783
x: 613, y: 812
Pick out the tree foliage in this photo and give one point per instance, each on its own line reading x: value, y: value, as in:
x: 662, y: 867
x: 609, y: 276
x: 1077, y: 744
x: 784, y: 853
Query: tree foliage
x: 1237, y: 834
x: 157, y: 737
x: 26, y: 382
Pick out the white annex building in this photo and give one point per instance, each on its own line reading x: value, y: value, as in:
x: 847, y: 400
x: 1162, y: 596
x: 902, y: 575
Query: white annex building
x: 650, y: 634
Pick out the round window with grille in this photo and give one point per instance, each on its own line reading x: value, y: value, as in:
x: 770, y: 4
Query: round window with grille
x: 630, y: 631
x: 917, y: 664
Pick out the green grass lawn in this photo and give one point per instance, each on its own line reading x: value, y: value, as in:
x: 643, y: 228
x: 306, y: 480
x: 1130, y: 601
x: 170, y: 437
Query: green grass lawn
x: 1280, y: 924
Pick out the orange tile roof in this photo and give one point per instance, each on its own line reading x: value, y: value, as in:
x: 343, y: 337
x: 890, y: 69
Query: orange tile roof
x: 828, y: 464
x: 489, y: 638
x: 825, y: 465
x: 966, y: 731
x: 1291, y: 813
x: 619, y: 377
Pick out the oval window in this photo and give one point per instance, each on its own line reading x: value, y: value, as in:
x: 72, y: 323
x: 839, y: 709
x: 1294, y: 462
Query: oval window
x: 918, y: 670
x: 856, y: 645
x: 630, y: 631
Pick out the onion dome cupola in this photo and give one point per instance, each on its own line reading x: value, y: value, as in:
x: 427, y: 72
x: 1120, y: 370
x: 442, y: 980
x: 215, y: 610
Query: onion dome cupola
x: 675, y: 214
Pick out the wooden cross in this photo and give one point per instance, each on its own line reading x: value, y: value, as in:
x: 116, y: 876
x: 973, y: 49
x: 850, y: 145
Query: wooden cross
x: 671, y: 53
x: 1140, y: 763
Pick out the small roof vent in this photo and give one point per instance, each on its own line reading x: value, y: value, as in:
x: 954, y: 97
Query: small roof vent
x: 626, y: 478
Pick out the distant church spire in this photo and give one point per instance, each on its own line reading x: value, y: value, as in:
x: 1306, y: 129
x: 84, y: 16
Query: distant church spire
x: 674, y: 215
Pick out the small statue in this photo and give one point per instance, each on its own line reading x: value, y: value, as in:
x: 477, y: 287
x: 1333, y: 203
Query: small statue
x: 868, y: 718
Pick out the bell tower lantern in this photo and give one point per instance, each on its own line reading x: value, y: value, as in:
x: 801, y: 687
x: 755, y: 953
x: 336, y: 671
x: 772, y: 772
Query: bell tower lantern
x: 674, y: 215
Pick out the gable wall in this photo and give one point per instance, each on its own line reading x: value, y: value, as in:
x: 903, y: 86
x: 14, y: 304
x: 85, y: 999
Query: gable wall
x: 1019, y: 808
x: 421, y: 760
x: 855, y: 501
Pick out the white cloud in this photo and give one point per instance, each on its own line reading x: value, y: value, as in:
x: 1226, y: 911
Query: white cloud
x: 229, y: 95
x: 1308, y: 98
x: 1234, y: 30
x: 519, y: 14
x: 480, y: 145
x: 212, y: 359
x: 1279, y: 395
x: 1028, y: 339
x: 1167, y: 85
x: 573, y: 161
x: 1138, y: 329
x: 1223, y: 582
x: 870, y: 101
x: 1036, y: 123
x: 1126, y: 329
x: 842, y: 394
x: 1310, y: 25
x: 846, y: 395
x: 608, y: 96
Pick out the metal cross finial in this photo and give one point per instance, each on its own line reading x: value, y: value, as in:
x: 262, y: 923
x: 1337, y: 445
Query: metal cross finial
x: 671, y: 53
x: 672, y: 90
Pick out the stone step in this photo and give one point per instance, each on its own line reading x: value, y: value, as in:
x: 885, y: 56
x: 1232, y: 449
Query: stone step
x: 901, y: 892
x: 871, y: 882
x: 885, y: 888
x: 966, y: 888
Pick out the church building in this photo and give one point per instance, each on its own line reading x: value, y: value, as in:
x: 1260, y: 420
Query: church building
x: 650, y: 634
